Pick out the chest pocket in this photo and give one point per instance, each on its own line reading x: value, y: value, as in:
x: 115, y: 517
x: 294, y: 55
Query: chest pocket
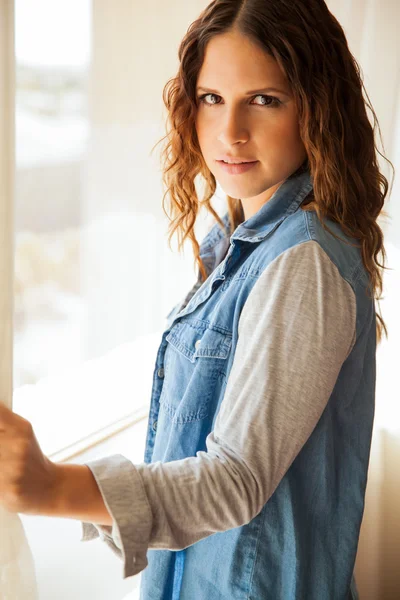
x: 195, y: 364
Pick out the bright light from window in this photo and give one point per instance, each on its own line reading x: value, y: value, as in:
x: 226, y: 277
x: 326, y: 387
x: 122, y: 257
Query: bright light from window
x: 60, y: 26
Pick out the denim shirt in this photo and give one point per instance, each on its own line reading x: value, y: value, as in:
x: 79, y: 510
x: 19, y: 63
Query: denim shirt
x: 301, y: 543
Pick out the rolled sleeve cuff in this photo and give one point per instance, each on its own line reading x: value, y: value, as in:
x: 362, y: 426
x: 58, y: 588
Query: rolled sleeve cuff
x: 89, y: 532
x: 124, y: 495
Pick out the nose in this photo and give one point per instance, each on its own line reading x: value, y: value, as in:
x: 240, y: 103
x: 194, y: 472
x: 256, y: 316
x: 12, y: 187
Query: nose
x: 232, y: 129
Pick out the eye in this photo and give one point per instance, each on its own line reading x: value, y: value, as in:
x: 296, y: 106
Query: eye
x: 204, y: 96
x: 270, y: 101
x: 274, y: 101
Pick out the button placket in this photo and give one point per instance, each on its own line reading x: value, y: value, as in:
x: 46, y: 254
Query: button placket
x: 160, y: 374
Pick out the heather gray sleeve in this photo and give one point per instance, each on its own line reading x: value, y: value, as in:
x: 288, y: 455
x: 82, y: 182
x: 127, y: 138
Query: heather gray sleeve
x: 300, y: 307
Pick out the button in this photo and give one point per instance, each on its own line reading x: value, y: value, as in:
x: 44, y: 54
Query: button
x: 197, y: 344
x: 155, y: 426
x: 160, y: 372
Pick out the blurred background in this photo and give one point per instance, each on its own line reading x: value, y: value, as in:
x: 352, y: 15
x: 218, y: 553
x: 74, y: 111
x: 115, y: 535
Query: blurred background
x: 95, y: 278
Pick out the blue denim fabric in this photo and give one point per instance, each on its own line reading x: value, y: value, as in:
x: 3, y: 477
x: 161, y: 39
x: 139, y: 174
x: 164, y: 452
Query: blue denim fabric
x: 303, y: 543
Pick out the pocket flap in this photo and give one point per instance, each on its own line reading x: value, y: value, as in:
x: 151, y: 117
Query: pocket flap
x: 196, y: 339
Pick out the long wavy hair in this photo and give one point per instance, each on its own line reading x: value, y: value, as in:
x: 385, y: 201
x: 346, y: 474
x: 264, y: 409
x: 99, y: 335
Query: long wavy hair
x: 310, y: 47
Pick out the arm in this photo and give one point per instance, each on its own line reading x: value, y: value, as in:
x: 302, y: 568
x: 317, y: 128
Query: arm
x: 295, y: 331
x: 69, y: 501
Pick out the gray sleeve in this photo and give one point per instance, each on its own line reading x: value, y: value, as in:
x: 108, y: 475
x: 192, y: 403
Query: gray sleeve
x: 300, y: 307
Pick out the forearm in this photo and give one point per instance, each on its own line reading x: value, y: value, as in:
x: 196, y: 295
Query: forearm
x: 77, y: 495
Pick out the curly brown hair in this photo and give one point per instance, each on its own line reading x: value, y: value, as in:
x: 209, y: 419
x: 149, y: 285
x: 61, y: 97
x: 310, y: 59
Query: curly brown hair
x: 310, y: 47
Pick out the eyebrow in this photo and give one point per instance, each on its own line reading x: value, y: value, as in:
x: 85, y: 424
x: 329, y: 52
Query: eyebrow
x: 260, y: 91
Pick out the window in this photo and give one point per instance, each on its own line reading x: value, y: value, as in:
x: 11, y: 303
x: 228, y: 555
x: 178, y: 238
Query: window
x: 94, y: 277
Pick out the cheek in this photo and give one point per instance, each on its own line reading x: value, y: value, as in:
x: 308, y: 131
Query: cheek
x: 200, y: 134
x: 206, y: 144
x: 285, y: 133
x: 202, y: 131
x: 297, y: 142
x: 293, y: 128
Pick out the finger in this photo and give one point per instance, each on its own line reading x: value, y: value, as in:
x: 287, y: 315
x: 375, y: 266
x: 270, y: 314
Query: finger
x: 4, y: 414
x: 7, y: 416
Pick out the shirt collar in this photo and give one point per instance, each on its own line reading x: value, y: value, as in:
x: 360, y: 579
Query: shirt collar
x: 285, y: 201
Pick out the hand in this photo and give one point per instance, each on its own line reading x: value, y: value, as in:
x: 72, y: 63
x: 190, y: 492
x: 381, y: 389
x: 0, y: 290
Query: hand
x: 27, y: 477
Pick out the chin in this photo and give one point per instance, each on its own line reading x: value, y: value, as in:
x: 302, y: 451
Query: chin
x: 242, y: 192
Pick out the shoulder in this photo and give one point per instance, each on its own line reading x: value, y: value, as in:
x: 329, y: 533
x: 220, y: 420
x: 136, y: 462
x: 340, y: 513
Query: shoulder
x: 303, y: 230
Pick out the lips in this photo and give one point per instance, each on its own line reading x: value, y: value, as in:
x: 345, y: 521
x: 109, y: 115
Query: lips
x: 235, y: 161
x: 236, y: 169
x: 242, y: 162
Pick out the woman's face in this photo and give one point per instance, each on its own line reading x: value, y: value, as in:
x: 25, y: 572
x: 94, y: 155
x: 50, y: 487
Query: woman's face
x: 261, y: 126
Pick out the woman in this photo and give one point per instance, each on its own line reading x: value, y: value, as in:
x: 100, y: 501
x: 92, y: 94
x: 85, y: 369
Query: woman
x: 259, y: 432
